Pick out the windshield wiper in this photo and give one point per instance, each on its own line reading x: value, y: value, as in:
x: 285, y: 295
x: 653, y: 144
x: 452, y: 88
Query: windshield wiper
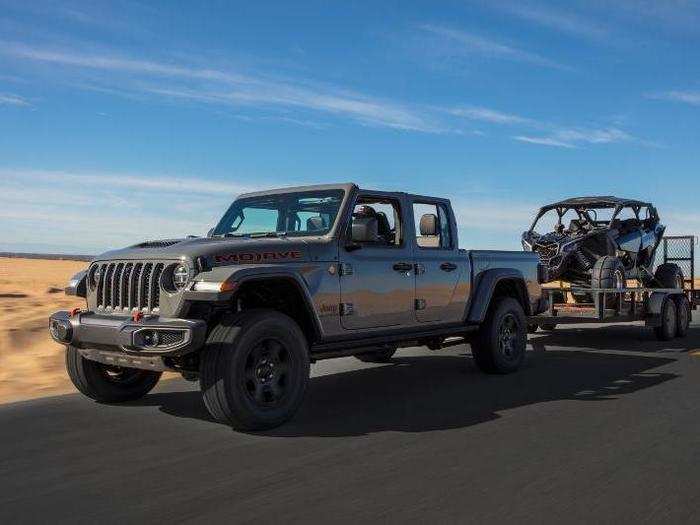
x: 267, y: 234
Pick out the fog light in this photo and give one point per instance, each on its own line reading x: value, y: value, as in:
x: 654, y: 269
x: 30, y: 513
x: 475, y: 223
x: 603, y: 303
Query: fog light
x: 61, y: 330
x: 151, y: 338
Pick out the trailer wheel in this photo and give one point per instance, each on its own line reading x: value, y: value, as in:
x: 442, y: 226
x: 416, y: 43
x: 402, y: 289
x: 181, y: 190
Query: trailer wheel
x: 107, y: 383
x: 682, y: 315
x: 669, y: 324
x: 254, y: 369
x: 499, y: 345
x: 669, y: 275
x: 381, y: 355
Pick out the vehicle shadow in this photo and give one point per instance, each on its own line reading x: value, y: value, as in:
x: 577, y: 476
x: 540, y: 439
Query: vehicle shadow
x: 626, y: 338
x: 418, y: 394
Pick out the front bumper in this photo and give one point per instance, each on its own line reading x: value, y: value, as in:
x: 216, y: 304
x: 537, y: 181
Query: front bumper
x: 148, y: 337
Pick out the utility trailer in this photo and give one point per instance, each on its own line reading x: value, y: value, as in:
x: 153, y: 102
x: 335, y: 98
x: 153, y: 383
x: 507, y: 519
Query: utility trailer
x: 667, y: 310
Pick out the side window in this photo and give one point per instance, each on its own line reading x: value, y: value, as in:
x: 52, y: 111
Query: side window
x: 432, y: 226
x: 376, y: 221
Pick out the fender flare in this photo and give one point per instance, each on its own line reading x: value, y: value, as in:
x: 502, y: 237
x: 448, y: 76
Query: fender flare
x: 251, y: 273
x: 485, y: 286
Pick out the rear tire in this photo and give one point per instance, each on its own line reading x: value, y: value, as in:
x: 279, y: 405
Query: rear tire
x: 254, y: 370
x: 683, y: 315
x: 499, y: 345
x: 609, y: 272
x: 106, y: 383
x: 669, y: 323
x: 669, y: 275
x: 382, y: 355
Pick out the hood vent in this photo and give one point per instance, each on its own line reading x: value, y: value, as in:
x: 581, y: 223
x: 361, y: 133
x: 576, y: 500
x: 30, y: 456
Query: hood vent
x: 158, y: 244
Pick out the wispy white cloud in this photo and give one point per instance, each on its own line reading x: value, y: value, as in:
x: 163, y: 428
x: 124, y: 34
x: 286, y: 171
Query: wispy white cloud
x: 688, y: 97
x: 8, y: 99
x: 129, y: 76
x: 465, y: 43
x: 573, y: 138
x: 543, y: 141
x: 489, y: 115
x: 560, y: 19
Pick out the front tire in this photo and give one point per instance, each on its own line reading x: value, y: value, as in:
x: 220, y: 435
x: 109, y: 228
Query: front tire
x: 254, y: 370
x: 669, y: 321
x: 609, y: 272
x: 106, y: 383
x: 499, y: 346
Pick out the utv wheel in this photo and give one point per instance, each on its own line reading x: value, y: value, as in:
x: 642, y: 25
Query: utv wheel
x: 682, y: 315
x: 106, y: 383
x: 669, y: 321
x: 499, y: 346
x: 669, y: 275
x: 254, y: 370
x: 382, y: 355
x: 608, y: 272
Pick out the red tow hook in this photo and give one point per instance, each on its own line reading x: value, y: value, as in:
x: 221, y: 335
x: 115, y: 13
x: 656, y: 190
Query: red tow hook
x: 137, y: 316
x: 75, y: 311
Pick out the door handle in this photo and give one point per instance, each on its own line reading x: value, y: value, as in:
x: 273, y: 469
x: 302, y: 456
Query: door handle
x: 448, y: 266
x: 403, y: 267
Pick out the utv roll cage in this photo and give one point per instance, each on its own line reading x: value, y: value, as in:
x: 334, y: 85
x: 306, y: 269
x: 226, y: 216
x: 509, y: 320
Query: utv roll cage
x: 581, y: 205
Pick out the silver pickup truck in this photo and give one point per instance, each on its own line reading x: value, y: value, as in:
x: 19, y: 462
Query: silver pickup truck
x: 288, y: 277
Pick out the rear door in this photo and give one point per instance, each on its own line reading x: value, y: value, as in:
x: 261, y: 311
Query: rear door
x: 377, y: 284
x: 438, y: 262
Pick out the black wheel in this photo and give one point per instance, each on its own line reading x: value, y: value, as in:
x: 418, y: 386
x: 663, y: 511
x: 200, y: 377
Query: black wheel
x: 107, y: 383
x: 669, y: 275
x: 548, y: 327
x: 254, y: 370
x: 669, y: 324
x: 682, y: 315
x: 499, y: 345
x: 381, y: 355
x: 609, y: 272
x: 532, y: 328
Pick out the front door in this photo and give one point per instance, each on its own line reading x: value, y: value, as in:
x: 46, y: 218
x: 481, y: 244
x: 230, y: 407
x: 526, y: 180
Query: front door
x: 377, y: 281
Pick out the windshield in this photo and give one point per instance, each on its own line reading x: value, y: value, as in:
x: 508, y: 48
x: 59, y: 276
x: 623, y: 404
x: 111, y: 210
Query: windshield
x: 304, y: 213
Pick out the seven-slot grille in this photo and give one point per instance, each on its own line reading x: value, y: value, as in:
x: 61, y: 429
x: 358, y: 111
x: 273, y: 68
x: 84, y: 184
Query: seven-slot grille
x: 128, y: 285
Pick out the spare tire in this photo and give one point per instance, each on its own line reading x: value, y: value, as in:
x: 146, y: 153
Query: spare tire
x: 608, y: 272
x: 669, y: 275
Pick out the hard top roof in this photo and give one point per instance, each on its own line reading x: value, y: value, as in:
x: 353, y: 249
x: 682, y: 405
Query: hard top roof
x: 600, y: 201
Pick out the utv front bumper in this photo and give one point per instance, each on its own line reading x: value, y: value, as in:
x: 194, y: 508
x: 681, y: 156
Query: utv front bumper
x: 147, y: 339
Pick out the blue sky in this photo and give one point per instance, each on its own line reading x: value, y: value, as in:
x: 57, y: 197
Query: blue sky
x: 121, y: 121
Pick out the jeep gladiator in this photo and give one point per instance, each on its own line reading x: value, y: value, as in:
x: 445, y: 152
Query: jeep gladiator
x: 286, y: 278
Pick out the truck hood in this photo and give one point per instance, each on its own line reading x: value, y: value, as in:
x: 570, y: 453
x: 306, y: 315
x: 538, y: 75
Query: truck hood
x: 217, y: 251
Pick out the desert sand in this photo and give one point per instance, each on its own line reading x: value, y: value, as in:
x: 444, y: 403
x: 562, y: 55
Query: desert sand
x: 31, y: 363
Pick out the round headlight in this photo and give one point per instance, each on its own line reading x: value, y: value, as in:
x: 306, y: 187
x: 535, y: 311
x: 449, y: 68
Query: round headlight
x: 181, y: 276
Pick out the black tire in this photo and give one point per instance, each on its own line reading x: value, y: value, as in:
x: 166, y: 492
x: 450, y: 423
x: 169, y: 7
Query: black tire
x: 669, y: 324
x: 609, y: 272
x: 532, y: 328
x: 682, y: 315
x: 254, y: 370
x: 499, y: 345
x: 669, y: 275
x: 106, y: 383
x: 381, y: 355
